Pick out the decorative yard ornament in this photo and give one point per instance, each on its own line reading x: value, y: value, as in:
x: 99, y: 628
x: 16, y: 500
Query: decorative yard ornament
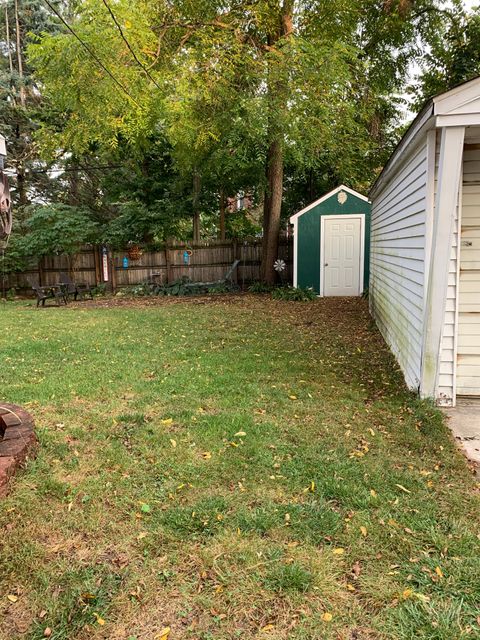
x: 279, y: 265
x: 342, y: 197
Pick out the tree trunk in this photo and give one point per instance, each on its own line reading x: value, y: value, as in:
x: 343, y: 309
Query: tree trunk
x: 275, y: 188
x: 9, y: 47
x: 21, y: 186
x: 19, y: 56
x: 196, y: 206
x: 278, y: 96
x: 222, y: 206
x: 73, y: 183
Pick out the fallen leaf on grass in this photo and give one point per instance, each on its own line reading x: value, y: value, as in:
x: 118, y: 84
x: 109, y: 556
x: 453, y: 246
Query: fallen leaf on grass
x: 206, y: 455
x: 12, y: 598
x: 363, y: 531
x: 338, y: 551
x: 439, y: 572
x: 173, y: 443
x: 99, y: 619
x: 163, y: 635
x: 267, y: 628
x: 167, y: 421
x: 400, y: 486
x: 240, y: 434
x: 293, y: 397
x: 326, y: 617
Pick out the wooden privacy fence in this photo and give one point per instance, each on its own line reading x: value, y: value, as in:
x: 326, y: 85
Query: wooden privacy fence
x: 208, y: 261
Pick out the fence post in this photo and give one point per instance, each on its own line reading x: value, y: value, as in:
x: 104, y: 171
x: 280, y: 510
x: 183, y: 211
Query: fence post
x: 168, y: 262
x: 97, y: 267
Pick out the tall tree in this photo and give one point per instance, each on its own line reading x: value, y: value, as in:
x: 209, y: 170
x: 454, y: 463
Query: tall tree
x: 304, y: 83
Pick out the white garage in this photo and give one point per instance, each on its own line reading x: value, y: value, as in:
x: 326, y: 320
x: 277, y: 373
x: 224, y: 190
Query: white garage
x: 425, y: 248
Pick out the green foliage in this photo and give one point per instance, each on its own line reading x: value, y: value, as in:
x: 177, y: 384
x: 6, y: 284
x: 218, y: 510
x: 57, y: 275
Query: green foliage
x: 294, y: 294
x: 181, y: 287
x: 260, y: 287
x: 453, y: 56
x: 57, y: 229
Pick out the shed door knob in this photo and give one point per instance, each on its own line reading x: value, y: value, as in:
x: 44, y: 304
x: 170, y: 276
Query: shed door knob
x: 326, y: 264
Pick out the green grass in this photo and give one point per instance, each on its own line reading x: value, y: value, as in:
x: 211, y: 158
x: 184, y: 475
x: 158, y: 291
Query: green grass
x: 234, y: 467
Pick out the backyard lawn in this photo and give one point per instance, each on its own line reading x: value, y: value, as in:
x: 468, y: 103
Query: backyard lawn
x: 233, y: 467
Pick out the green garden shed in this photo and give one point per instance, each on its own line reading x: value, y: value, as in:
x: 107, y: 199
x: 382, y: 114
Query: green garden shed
x: 332, y: 244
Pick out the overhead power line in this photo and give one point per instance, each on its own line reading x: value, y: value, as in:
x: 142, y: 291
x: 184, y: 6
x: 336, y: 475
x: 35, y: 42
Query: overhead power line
x: 124, y: 38
x: 92, y: 53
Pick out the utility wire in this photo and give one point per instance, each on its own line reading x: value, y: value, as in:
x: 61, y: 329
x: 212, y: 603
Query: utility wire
x: 91, y: 53
x: 124, y: 38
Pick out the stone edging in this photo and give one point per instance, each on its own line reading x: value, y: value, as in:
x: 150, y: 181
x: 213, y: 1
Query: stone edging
x: 17, y: 441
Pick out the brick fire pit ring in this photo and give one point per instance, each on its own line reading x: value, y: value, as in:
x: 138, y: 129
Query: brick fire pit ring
x: 17, y: 441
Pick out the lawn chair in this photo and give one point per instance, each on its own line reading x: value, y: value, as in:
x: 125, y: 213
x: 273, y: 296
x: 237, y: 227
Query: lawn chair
x: 79, y: 290
x: 50, y: 292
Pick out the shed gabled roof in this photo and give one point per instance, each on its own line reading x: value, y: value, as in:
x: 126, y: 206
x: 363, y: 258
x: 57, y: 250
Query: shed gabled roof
x: 462, y: 100
x: 328, y: 195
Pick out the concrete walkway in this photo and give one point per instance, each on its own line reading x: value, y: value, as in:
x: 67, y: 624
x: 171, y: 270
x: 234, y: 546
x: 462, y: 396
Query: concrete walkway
x: 464, y: 421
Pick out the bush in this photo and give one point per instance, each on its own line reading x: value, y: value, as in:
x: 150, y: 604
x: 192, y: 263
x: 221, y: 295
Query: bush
x: 294, y: 294
x: 260, y: 287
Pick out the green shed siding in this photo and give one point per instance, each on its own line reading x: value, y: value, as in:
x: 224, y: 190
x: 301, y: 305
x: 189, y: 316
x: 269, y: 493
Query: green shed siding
x: 309, y: 241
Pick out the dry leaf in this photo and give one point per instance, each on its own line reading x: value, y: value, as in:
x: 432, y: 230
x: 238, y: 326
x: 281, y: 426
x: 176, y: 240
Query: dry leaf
x: 163, y: 635
x: 327, y: 617
x: 167, y: 421
x: 206, y: 455
x: 12, y: 598
x: 439, y: 572
x: 364, y: 531
x: 373, y: 493
x: 48, y: 632
x: 240, y: 434
x: 293, y: 397
x: 400, y: 486
x: 99, y: 619
x: 267, y: 628
x: 339, y: 551
x: 173, y: 443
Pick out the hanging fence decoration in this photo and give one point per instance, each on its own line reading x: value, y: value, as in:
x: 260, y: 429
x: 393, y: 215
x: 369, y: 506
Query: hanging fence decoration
x: 134, y: 252
x: 279, y: 265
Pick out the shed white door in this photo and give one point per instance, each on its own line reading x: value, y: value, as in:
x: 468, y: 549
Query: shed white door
x: 468, y: 347
x: 341, y: 256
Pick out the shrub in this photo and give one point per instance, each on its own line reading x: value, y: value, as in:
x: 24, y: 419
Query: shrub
x: 294, y: 294
x: 260, y: 287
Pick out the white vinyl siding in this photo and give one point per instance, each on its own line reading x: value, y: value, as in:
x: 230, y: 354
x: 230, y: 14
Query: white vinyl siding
x: 468, y: 357
x: 397, y: 262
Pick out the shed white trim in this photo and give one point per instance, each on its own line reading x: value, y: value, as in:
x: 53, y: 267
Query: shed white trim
x: 350, y: 216
x: 342, y: 187
x: 295, y: 253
